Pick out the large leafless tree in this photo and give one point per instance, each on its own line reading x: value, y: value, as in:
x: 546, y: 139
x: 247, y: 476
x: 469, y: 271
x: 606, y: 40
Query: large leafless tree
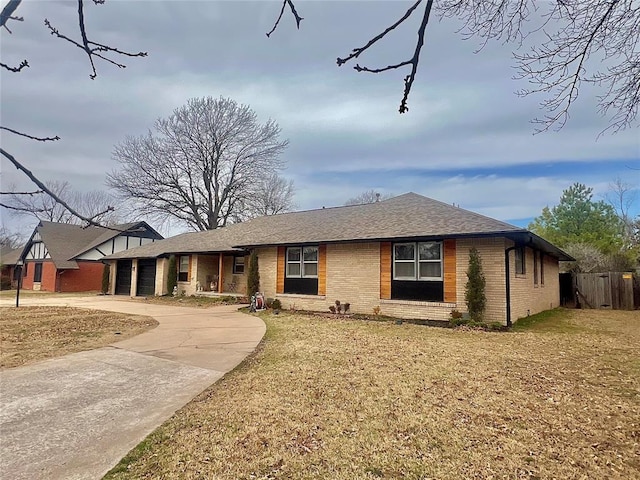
x: 199, y: 165
x: 559, y: 46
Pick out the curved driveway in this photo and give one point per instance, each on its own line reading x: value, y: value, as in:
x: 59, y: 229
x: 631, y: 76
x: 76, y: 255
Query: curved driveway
x: 75, y: 417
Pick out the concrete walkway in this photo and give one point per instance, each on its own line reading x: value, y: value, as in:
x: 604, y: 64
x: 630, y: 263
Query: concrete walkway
x: 75, y: 417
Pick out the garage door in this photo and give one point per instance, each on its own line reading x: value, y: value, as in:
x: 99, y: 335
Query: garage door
x: 123, y: 277
x: 146, y: 277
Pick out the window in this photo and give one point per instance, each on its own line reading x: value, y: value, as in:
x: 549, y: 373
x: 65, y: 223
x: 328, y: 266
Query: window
x: 520, y: 261
x: 541, y: 268
x: 417, y: 261
x: 183, y: 269
x: 37, y: 273
x: 238, y: 265
x: 302, y: 262
x: 535, y: 267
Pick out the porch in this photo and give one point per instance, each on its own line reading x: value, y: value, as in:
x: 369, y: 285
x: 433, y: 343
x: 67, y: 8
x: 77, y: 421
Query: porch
x: 212, y: 274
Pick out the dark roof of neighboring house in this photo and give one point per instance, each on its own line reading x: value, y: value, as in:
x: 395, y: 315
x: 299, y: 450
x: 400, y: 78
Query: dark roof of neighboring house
x: 65, y: 242
x: 404, y: 217
x: 8, y: 255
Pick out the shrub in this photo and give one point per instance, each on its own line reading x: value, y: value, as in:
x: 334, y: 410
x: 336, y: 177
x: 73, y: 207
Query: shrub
x: 376, y: 310
x: 455, y: 314
x: 253, y: 275
x: 332, y: 308
x: 276, y: 304
x: 474, y: 294
x: 105, y: 279
x: 347, y: 306
x: 172, y: 275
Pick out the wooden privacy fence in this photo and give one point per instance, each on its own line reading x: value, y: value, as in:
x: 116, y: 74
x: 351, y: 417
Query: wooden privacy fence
x: 611, y: 290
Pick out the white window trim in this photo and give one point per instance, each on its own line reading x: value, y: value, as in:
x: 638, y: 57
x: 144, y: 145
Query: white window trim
x: 416, y: 261
x: 301, y: 262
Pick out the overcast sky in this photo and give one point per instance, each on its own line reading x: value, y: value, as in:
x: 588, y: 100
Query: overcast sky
x: 466, y: 139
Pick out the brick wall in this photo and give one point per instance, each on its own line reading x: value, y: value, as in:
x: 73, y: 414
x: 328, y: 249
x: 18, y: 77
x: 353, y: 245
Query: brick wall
x: 353, y: 275
x: 528, y: 298
x: 491, y: 252
x: 48, y: 279
x: 267, y: 261
x: 86, y: 278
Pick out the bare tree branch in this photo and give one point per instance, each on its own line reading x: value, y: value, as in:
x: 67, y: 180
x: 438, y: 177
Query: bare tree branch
x: 31, y: 137
x: 413, y: 61
x: 7, y: 13
x: 91, y: 48
x: 36, y: 192
x: 88, y: 220
x: 22, y: 65
x: 294, y: 12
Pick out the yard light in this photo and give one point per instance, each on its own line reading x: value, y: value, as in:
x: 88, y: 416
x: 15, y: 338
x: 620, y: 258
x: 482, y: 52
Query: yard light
x: 19, y: 265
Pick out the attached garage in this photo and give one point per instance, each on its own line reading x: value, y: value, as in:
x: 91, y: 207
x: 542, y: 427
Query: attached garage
x: 123, y: 277
x: 146, y: 284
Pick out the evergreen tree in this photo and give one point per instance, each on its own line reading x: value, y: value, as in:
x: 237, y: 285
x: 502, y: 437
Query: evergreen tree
x: 580, y: 219
x: 253, y: 275
x: 172, y: 274
x: 474, y: 293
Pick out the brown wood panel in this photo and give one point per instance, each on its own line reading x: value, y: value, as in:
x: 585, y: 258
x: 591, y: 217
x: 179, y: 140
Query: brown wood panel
x: 322, y: 270
x: 450, y: 280
x: 280, y: 270
x: 220, y: 273
x: 385, y: 270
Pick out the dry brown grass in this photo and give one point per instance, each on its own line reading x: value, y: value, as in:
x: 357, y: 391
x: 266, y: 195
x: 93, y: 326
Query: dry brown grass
x: 346, y: 399
x: 29, y: 334
x: 192, y: 301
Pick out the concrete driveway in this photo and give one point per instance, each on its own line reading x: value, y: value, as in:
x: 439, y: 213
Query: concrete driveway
x: 75, y: 417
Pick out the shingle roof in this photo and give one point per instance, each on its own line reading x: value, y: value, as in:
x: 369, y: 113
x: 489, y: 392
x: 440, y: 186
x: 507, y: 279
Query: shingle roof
x: 8, y: 255
x: 64, y: 242
x: 406, y: 216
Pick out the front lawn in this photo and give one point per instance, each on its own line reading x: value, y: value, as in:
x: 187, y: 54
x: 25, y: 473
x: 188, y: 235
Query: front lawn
x: 29, y: 334
x: 346, y: 399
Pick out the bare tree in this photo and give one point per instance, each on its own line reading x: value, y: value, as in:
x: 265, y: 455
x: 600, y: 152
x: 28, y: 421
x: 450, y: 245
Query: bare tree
x: 93, y: 204
x: 368, y: 196
x: 9, y: 239
x: 202, y: 163
x: 273, y: 194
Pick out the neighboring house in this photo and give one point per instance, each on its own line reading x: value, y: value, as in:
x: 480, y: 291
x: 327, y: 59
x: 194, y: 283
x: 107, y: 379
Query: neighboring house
x: 8, y: 259
x: 68, y: 258
x: 406, y: 256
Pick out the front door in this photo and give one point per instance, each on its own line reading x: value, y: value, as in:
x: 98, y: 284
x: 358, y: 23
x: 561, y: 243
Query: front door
x: 146, y: 277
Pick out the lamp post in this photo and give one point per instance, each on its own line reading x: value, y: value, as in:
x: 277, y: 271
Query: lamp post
x: 19, y: 265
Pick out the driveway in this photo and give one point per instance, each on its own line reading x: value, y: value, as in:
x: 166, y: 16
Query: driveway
x: 75, y: 417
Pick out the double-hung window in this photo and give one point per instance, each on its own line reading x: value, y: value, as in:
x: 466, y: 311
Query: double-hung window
x: 183, y: 269
x: 302, y: 262
x: 421, y: 261
x: 238, y: 265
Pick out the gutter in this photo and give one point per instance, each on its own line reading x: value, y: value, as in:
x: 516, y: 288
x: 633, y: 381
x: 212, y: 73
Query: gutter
x: 508, y: 284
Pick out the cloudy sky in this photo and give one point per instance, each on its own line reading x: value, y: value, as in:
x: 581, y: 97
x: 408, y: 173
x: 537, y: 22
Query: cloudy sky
x: 466, y: 139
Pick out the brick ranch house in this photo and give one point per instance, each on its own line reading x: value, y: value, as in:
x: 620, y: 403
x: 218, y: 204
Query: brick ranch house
x: 61, y: 257
x: 407, y: 256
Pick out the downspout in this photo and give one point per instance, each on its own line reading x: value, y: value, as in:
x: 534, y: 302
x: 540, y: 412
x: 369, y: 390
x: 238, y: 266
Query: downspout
x: 508, y: 283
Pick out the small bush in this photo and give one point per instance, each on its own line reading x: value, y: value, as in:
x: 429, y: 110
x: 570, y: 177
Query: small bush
x: 105, y: 279
x: 172, y: 275
x: 332, y: 309
x: 455, y: 314
x: 276, y: 304
x: 347, y: 306
x: 376, y: 310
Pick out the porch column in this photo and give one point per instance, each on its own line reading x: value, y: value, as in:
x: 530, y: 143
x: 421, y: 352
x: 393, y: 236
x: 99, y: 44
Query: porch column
x: 220, y: 272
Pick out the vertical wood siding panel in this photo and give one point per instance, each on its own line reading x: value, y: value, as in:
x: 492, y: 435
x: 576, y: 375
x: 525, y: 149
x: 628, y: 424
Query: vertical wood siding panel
x: 280, y: 270
x: 322, y: 270
x: 450, y: 271
x: 385, y: 270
